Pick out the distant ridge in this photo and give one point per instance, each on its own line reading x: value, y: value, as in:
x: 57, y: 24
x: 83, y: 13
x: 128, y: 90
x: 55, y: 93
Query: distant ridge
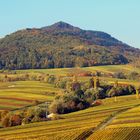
x: 62, y: 45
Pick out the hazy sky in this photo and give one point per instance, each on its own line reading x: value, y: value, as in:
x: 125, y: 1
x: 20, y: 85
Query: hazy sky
x: 120, y: 18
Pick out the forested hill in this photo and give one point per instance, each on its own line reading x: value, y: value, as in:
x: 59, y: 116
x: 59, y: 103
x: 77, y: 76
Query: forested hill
x: 62, y: 45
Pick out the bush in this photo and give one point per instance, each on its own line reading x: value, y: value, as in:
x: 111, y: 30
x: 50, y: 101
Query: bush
x: 91, y: 83
x: 5, y: 122
x: 61, y: 84
x: 36, y: 119
x: 3, y: 114
x: 11, y: 120
x: 133, y: 75
x: 15, y: 120
x: 51, y: 79
x: 120, y: 75
x: 119, y: 91
x: 75, y: 86
x: 25, y: 121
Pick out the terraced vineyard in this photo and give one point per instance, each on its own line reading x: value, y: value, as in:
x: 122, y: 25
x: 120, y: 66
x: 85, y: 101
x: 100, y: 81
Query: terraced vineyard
x: 18, y: 94
x: 129, y: 118
x: 23, y: 93
x: 129, y: 133
x: 91, y: 123
x: 73, y: 126
x: 126, y: 126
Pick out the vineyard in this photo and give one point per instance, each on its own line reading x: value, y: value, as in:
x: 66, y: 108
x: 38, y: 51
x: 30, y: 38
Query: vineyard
x: 117, y: 118
x: 19, y: 94
x: 126, y: 126
x: 73, y: 126
x: 125, y: 133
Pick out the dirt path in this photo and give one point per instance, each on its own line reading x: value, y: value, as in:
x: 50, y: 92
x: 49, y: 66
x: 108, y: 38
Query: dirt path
x: 103, y: 124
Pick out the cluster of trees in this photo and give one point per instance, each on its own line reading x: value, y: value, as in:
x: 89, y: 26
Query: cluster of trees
x: 39, y: 48
x: 69, y: 102
x: 76, y: 96
x: 22, y: 117
x: 8, y: 77
x: 80, y: 95
x: 132, y: 75
x: 60, y: 81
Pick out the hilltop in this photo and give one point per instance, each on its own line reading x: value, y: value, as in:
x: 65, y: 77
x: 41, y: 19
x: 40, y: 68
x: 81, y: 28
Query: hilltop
x: 62, y: 45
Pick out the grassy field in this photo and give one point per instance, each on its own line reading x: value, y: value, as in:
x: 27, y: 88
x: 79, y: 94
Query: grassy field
x: 104, y: 69
x: 72, y: 126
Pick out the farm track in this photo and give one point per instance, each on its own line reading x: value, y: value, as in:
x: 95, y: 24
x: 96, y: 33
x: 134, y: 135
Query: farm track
x: 103, y: 124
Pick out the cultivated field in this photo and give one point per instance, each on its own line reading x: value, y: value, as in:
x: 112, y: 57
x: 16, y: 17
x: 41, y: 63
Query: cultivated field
x: 19, y: 94
x: 126, y: 126
x: 115, y: 119
x: 22, y: 93
x: 72, y: 126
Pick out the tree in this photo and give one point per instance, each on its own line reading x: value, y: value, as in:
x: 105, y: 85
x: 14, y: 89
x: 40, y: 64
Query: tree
x: 3, y: 114
x: 75, y: 86
x: 5, y: 121
x: 15, y: 120
x: 133, y: 75
x: 90, y: 83
x: 69, y: 102
x: 120, y: 75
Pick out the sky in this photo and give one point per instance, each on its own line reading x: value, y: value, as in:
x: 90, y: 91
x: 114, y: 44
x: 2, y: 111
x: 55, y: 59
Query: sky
x: 120, y: 18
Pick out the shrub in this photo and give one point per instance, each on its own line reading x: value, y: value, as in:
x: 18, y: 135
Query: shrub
x: 120, y: 75
x: 51, y: 79
x: 5, y: 121
x: 75, y: 86
x: 25, y: 121
x: 3, y: 114
x: 15, y: 120
x: 133, y: 75
x: 119, y: 91
x: 41, y: 113
x: 61, y: 84
x: 91, y: 83
x: 36, y: 119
